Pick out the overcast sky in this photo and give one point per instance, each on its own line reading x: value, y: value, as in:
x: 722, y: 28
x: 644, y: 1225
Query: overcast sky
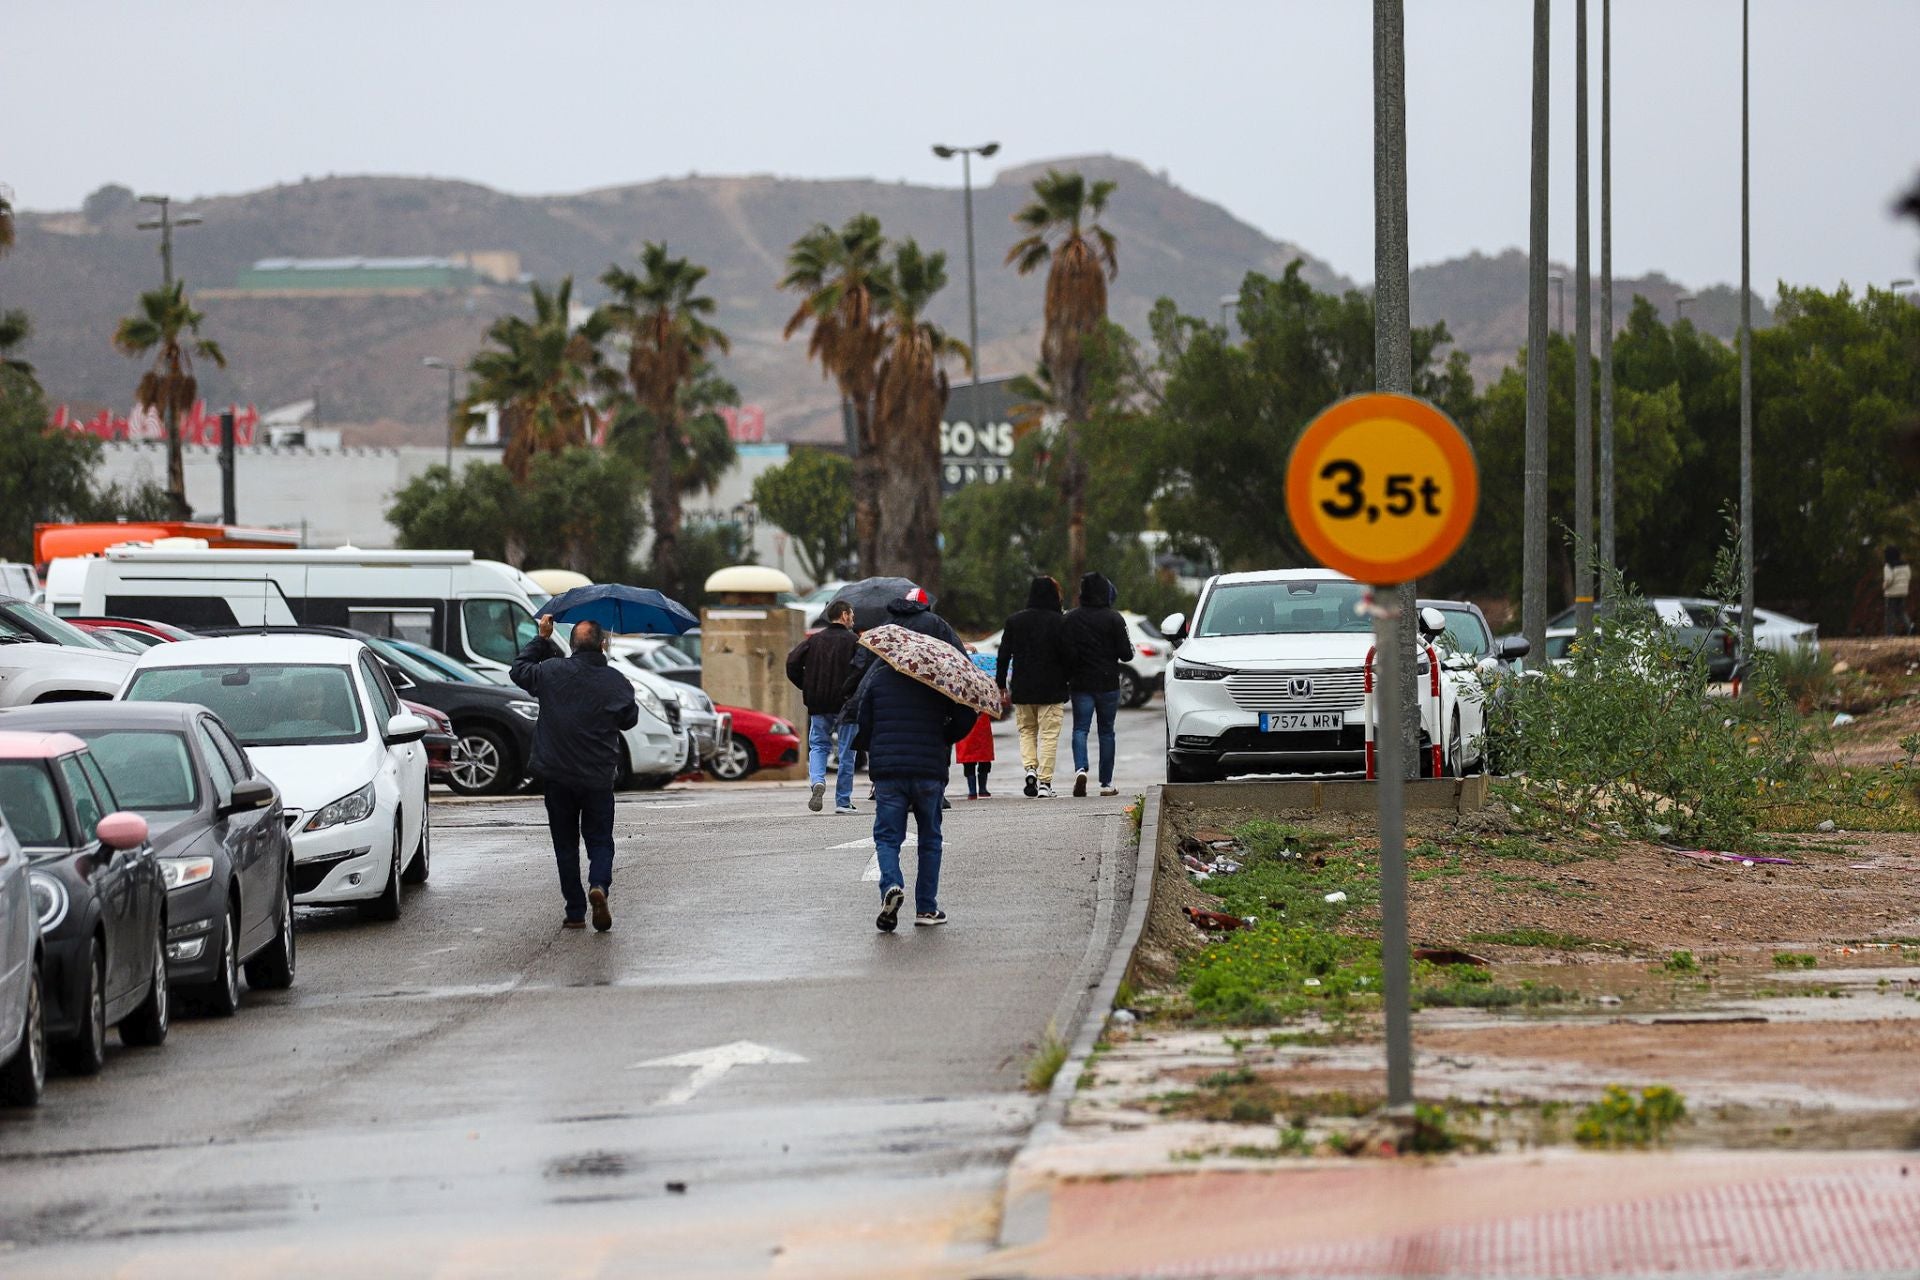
x: 1263, y: 106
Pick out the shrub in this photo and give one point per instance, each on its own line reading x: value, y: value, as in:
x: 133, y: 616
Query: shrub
x: 1620, y: 1119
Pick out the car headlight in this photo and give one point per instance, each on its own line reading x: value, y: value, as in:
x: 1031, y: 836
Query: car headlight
x: 348, y: 808
x: 1197, y: 671
x: 181, y: 872
x: 49, y: 900
x: 781, y: 729
x: 650, y: 702
x: 525, y: 710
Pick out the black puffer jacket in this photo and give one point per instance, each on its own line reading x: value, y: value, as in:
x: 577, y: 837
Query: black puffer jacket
x: 907, y: 729
x: 584, y: 704
x: 912, y: 615
x: 818, y: 668
x: 1096, y: 639
x: 1033, y: 653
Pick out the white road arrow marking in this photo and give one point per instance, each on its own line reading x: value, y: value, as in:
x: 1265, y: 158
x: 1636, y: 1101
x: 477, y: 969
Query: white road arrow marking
x: 710, y: 1064
x: 872, y: 874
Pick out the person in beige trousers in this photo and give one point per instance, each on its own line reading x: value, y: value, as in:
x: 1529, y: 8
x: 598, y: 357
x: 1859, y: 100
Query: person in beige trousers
x: 1031, y: 670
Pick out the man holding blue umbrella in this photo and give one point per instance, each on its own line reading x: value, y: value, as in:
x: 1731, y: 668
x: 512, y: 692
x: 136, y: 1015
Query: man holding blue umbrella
x: 584, y: 704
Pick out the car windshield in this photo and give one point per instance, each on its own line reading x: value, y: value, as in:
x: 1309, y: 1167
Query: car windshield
x: 1465, y: 634
x: 148, y: 769
x: 265, y: 704
x: 31, y: 804
x: 1283, y: 608
x: 498, y: 629
x: 34, y: 623
x: 445, y: 668
x: 402, y: 659
x: 687, y: 643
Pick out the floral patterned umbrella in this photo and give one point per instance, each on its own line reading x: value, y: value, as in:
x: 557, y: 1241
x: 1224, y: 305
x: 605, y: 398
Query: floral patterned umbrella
x: 934, y: 663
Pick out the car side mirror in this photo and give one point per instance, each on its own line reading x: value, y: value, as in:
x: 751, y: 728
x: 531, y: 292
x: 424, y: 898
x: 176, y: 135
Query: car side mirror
x: 1514, y: 648
x: 406, y: 727
x: 121, y: 831
x: 248, y: 794
x: 1432, y: 622
x: 1174, y: 628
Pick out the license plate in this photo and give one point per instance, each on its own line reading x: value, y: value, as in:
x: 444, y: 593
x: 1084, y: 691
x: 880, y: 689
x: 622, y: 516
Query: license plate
x: 1302, y: 721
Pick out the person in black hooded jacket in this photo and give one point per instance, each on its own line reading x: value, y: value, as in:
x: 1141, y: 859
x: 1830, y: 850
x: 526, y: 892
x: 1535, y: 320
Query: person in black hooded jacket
x: 1032, y: 665
x: 1097, y: 643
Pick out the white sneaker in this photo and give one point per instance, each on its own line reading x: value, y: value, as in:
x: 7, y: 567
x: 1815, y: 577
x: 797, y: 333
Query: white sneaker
x: 845, y: 808
x: 1109, y: 791
x: 1080, y: 782
x: 1045, y: 791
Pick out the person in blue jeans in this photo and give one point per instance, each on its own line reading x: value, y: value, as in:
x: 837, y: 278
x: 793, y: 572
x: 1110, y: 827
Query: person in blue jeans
x: 907, y: 730
x: 1096, y: 641
x: 818, y: 668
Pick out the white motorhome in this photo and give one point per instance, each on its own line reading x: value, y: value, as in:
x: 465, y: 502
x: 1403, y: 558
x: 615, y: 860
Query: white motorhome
x: 477, y: 610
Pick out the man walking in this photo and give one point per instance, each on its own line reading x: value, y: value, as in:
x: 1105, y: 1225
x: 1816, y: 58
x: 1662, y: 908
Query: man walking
x: 1097, y: 643
x: 818, y: 668
x: 907, y: 730
x: 1032, y: 666
x: 584, y: 704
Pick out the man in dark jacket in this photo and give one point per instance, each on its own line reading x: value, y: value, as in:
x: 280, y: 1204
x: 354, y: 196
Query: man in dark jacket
x: 907, y: 730
x: 818, y: 668
x: 584, y: 704
x: 1097, y: 643
x: 1032, y: 663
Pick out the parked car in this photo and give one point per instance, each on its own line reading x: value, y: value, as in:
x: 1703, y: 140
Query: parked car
x: 1270, y: 677
x: 1778, y: 632
x: 116, y: 641
x: 44, y: 659
x: 23, y: 1025
x: 1141, y: 676
x: 439, y: 742
x: 18, y: 580
x: 655, y: 654
x: 758, y: 741
x: 814, y: 603
x: 709, y: 727
x: 1698, y: 626
x: 319, y: 717
x: 140, y: 631
x: 101, y: 897
x: 215, y: 824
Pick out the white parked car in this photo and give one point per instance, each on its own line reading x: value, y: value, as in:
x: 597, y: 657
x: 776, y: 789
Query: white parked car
x: 318, y: 716
x: 1778, y: 632
x: 45, y: 659
x: 23, y: 1040
x: 659, y: 746
x: 1270, y: 677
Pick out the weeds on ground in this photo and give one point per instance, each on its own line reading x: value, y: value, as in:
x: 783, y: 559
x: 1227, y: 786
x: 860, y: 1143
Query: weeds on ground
x: 1680, y: 962
x: 1624, y: 1119
x: 1048, y: 1057
x: 1794, y: 960
x: 1545, y: 938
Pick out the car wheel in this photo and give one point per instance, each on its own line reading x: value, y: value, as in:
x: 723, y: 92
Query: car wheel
x: 623, y: 772
x: 387, y: 905
x: 1456, y: 750
x: 86, y: 1053
x: 483, y: 763
x: 273, y: 969
x: 421, y: 864
x: 221, y: 998
x: 1129, y: 688
x: 653, y: 781
x: 147, y: 1025
x: 735, y: 761
x: 24, y: 1078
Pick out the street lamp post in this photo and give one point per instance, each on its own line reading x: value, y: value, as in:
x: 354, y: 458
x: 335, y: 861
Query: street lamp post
x: 1533, y: 572
x: 1560, y: 301
x: 1582, y: 343
x: 1746, y: 362
x: 435, y: 362
x: 1606, y: 293
x: 165, y: 224
x: 966, y: 155
x: 1228, y: 301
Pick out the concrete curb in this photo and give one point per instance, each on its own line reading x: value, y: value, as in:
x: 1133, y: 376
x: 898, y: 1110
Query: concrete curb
x: 1026, y: 1200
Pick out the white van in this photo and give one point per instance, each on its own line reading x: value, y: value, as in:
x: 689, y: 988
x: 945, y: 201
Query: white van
x: 477, y: 610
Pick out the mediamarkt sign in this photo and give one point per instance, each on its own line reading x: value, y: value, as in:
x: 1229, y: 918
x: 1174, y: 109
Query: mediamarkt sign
x: 145, y: 422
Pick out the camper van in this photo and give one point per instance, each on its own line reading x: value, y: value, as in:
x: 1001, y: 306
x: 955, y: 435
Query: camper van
x: 477, y: 610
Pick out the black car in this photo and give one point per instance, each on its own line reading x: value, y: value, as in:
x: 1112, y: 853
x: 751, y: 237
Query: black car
x: 216, y: 825
x: 492, y: 725
x: 100, y: 893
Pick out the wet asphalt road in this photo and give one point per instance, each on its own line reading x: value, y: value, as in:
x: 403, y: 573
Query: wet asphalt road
x: 472, y: 1091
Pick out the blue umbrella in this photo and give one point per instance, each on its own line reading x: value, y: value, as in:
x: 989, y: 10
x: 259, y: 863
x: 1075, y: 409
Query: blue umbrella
x: 622, y: 610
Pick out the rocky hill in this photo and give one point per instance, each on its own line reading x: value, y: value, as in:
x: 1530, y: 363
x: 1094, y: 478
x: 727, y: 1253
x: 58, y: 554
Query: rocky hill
x: 77, y: 272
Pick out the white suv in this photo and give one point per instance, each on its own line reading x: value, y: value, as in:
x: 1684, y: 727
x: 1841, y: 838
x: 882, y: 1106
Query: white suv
x: 1270, y: 677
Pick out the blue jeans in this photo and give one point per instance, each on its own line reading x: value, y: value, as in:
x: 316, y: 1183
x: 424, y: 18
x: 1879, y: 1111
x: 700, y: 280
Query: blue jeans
x: 892, y: 799
x: 1085, y: 707
x: 822, y: 733
x: 573, y: 813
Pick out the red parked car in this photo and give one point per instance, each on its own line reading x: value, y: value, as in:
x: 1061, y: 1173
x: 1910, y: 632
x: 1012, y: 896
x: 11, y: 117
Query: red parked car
x: 438, y: 742
x: 759, y: 741
x: 141, y: 632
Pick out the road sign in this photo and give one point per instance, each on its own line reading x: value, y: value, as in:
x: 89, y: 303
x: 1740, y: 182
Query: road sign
x: 1382, y: 487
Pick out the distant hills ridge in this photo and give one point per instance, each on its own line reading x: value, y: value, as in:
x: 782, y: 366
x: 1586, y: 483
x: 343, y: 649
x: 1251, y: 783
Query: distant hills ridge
x: 359, y: 353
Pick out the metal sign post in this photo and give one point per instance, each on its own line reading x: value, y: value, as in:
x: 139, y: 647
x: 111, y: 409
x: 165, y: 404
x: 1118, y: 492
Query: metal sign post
x: 1395, y: 966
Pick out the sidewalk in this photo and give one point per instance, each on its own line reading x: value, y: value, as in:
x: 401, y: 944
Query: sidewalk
x: 1555, y: 1213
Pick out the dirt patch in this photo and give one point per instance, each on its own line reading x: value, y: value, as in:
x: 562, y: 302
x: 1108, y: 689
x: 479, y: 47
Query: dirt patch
x: 1874, y: 737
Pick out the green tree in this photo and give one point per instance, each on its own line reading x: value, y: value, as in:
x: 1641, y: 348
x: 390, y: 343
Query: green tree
x: 1063, y: 234
x: 45, y: 475
x: 909, y: 399
x: 577, y: 509
x: 15, y: 329
x: 475, y: 509
x: 539, y: 374
x: 664, y: 319
x: 810, y: 496
x: 168, y: 326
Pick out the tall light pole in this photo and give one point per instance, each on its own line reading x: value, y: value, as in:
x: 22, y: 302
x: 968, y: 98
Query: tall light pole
x: 1607, y: 563
x: 176, y: 464
x: 1559, y: 282
x: 1746, y: 359
x: 1582, y: 342
x: 966, y: 155
x: 1228, y: 301
x: 165, y: 224
x: 435, y: 362
x: 1533, y: 570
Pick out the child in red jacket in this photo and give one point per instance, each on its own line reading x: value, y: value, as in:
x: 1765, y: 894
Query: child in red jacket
x: 975, y: 754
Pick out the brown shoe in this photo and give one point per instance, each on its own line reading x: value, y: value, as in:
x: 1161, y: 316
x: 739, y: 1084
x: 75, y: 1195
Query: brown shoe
x: 602, y: 917
x: 573, y: 924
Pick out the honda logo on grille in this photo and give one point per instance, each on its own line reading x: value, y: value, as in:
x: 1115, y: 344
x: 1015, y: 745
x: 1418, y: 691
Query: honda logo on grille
x: 1300, y: 687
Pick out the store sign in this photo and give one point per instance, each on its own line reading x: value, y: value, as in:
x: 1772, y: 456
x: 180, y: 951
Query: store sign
x: 977, y: 446
x: 144, y: 422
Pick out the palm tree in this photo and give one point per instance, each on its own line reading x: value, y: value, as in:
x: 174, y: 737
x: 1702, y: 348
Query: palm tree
x: 1062, y: 232
x: 664, y: 318
x: 842, y: 279
x: 539, y: 374
x: 14, y: 329
x: 167, y: 325
x: 910, y: 397
x: 6, y: 218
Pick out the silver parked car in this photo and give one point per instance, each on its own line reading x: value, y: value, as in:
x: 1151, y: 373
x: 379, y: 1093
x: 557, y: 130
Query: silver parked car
x: 23, y: 1029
